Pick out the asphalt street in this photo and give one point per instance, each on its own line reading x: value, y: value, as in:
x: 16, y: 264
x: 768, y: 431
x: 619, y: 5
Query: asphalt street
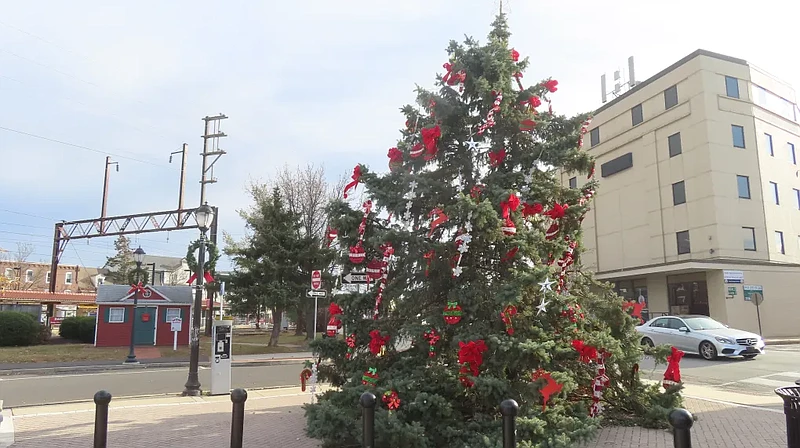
x: 779, y: 366
x: 32, y: 390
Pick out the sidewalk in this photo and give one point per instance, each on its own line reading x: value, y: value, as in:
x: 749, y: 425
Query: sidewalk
x: 95, y: 366
x: 274, y: 419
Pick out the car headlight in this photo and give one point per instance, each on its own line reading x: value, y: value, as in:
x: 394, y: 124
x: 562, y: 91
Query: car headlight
x: 723, y: 340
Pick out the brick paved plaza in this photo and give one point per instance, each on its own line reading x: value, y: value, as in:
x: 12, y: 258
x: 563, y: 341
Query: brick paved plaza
x: 274, y: 419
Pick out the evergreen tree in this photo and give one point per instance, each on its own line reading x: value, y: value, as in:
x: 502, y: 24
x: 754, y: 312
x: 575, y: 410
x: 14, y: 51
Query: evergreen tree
x: 122, y: 266
x: 484, y: 277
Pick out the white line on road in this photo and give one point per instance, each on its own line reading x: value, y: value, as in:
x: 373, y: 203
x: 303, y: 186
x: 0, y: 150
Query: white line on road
x: 786, y: 374
x: 765, y: 382
x: 110, y: 372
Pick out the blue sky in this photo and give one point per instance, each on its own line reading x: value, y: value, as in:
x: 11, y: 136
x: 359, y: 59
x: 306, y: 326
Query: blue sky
x: 302, y: 81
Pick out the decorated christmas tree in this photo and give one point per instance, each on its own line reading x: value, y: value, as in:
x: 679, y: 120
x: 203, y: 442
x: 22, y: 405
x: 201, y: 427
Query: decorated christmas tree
x: 472, y: 246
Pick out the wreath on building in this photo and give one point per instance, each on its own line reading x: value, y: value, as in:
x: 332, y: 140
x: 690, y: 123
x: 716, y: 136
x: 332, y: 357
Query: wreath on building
x: 213, y: 256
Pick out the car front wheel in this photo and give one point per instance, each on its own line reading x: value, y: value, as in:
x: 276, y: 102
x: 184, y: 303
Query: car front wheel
x: 647, y: 342
x: 708, y: 351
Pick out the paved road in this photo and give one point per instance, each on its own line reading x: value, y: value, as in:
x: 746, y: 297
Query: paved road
x: 32, y: 390
x: 779, y: 366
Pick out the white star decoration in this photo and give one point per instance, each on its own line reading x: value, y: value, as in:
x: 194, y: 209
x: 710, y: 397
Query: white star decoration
x: 457, y: 271
x: 465, y: 240
x: 542, y: 306
x: 546, y: 285
x: 472, y: 144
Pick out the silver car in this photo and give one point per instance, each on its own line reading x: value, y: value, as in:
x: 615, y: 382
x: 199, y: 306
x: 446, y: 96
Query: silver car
x: 700, y: 335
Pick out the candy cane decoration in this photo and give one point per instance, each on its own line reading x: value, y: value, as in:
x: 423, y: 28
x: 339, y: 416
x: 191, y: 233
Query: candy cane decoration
x: 410, y: 196
x: 462, y: 245
x: 388, y: 250
x: 439, y: 218
x: 490, y: 115
x: 584, y: 130
x: 600, y: 382
x: 357, y: 254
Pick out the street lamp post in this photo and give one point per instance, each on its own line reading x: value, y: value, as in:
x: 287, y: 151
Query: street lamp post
x: 204, y: 215
x: 138, y: 257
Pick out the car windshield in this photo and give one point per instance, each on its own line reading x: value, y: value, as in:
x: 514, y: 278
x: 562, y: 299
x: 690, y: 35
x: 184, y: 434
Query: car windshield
x: 703, y: 323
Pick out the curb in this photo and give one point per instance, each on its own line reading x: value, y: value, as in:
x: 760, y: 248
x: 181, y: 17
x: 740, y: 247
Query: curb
x: 156, y: 366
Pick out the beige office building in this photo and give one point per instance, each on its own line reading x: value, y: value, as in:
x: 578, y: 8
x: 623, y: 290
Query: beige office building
x: 698, y: 209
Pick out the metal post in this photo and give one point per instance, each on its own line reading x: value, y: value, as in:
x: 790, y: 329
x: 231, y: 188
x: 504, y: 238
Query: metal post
x: 758, y: 316
x: 101, y: 401
x: 54, y: 260
x: 509, y: 409
x: 192, y: 386
x: 131, y: 350
x: 681, y: 421
x: 316, y: 304
x: 368, y: 401
x: 238, y: 397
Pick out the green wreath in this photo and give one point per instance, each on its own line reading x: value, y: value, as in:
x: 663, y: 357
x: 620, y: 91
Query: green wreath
x: 213, y: 256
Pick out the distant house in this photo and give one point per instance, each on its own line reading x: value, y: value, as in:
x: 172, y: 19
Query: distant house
x: 163, y: 271
x: 157, y: 307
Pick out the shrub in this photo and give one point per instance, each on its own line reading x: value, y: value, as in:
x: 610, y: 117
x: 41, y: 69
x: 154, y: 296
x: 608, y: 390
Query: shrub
x: 18, y: 329
x: 79, y: 328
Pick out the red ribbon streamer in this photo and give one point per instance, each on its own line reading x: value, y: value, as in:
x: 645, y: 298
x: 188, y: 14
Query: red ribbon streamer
x: 439, y: 218
x: 356, y: 179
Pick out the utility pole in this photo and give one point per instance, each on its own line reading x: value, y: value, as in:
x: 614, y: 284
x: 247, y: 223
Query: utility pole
x: 105, y: 193
x: 182, y: 186
x: 211, y: 136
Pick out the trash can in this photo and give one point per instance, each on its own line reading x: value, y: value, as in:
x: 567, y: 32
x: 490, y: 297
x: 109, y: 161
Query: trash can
x: 791, y: 407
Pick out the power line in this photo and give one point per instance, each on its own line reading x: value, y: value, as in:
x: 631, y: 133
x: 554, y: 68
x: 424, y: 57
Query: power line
x: 74, y: 145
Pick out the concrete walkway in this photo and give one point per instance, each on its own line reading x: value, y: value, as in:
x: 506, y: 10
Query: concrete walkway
x: 274, y: 419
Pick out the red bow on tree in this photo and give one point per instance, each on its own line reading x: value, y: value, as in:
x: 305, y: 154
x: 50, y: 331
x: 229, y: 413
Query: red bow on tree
x: 356, y: 179
x: 637, y: 309
x: 391, y: 399
x: 395, y: 158
x: 514, y: 55
x: 532, y: 103
x: 531, y: 209
x: 557, y: 211
x: 673, y: 372
x: 377, y: 342
x: 506, y: 315
x: 137, y: 288
x: 429, y: 139
x: 551, y: 85
x: 351, y: 345
x: 334, y: 309
x: 512, y: 204
x: 206, y: 276
x: 497, y: 157
x: 451, y: 78
x: 471, y: 354
x: 587, y: 353
x: 432, y: 337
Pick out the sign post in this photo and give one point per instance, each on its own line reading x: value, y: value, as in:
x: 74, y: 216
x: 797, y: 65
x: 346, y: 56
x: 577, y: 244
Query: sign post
x: 175, y: 326
x: 755, y: 294
x: 221, y: 367
x: 316, y: 294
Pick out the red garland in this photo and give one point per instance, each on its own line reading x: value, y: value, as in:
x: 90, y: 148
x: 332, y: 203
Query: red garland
x: 432, y: 337
x: 430, y: 137
x: 470, y: 356
x: 377, y: 343
x: 498, y: 99
x: 497, y: 157
x: 351, y: 345
x: 672, y: 376
x: 584, y: 130
x: 506, y: 316
x: 601, y: 381
x: 356, y: 179
x: 391, y: 399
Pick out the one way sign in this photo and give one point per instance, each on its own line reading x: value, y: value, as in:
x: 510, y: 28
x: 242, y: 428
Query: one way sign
x: 354, y: 278
x: 312, y: 293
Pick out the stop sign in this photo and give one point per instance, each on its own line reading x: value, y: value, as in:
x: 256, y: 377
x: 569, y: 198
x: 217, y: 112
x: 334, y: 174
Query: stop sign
x: 316, y: 280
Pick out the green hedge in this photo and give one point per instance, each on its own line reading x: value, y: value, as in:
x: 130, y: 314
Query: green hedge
x: 78, y: 329
x: 19, y: 329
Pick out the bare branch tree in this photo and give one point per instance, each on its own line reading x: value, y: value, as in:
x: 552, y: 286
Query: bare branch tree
x: 27, y: 275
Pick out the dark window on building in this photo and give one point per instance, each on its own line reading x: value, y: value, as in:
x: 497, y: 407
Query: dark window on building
x: 743, y: 185
x: 637, y: 115
x: 768, y: 144
x: 683, y: 242
x: 594, y: 136
x: 775, y: 196
x: 792, y: 154
x: 573, y: 182
x: 732, y: 87
x: 671, y: 97
x: 674, y: 142
x: 678, y: 193
x: 797, y: 197
x: 779, y: 246
x: 749, y: 238
x: 738, y: 135
x: 621, y: 163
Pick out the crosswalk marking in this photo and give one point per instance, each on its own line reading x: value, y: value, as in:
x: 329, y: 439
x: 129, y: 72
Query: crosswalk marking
x: 765, y: 382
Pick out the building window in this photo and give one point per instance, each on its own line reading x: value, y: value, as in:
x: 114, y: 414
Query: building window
x: 768, y: 143
x: 172, y: 313
x: 774, y: 187
x: 797, y: 197
x: 68, y: 278
x: 101, y: 281
x: 29, y: 276
x: 67, y: 291
x: 678, y: 193
x: 594, y: 137
x: 749, y: 235
x: 674, y: 143
x: 116, y: 315
x: 573, y: 182
x: 636, y: 115
x: 792, y: 155
x: 671, y: 97
x: 9, y: 273
x: 621, y: 163
x: 732, y: 87
x: 779, y: 242
x: 47, y: 278
x: 683, y: 242
x: 738, y: 136
x: 743, y: 185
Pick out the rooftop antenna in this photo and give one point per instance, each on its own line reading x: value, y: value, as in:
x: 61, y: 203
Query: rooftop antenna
x: 623, y: 82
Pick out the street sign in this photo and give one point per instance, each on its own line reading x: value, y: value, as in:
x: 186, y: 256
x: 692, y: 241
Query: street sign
x: 733, y: 276
x: 355, y: 278
x: 176, y: 324
x: 316, y: 280
x: 316, y: 294
x: 754, y: 293
x: 731, y: 292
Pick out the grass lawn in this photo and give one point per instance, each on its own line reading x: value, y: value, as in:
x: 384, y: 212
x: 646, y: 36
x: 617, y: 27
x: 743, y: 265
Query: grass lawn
x: 73, y: 352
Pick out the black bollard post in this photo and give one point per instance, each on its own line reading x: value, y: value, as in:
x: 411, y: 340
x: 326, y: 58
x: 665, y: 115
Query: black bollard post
x: 509, y: 408
x: 238, y: 397
x: 101, y: 401
x: 368, y: 401
x: 681, y: 421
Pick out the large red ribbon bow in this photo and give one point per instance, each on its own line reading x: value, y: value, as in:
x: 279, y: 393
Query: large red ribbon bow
x: 356, y: 179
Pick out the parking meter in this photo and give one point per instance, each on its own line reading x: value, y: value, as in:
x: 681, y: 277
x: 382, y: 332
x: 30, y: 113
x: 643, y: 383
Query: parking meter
x: 221, y: 357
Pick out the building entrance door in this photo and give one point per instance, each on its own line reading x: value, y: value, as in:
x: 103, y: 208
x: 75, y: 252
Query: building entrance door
x: 688, y: 298
x: 144, y: 333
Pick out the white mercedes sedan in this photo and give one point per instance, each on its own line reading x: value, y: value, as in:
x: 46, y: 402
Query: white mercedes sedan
x: 700, y: 335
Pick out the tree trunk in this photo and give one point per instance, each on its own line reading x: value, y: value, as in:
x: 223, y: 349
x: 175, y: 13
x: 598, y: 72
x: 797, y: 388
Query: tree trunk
x: 210, y: 312
x: 301, y: 319
x: 258, y: 318
x: 277, y: 314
